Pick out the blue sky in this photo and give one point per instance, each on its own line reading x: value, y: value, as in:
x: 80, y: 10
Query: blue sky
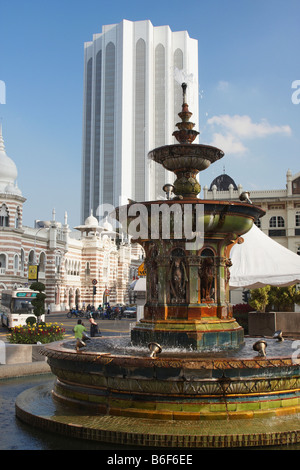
x: 248, y: 60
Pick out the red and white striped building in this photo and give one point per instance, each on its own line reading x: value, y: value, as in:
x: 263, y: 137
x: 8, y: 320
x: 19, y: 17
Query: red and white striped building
x: 70, y: 263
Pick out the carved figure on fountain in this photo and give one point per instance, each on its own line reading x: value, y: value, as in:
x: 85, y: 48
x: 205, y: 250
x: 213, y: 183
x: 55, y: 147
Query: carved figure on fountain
x: 178, y: 277
x: 207, y: 273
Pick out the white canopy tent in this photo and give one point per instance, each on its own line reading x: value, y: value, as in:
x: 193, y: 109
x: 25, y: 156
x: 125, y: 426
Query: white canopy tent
x: 260, y: 261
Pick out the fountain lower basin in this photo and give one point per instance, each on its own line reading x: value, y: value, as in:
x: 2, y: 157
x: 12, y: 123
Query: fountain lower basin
x: 116, y: 393
x: 177, y: 384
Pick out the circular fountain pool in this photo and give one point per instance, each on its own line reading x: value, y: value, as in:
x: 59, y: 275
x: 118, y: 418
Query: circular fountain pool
x: 116, y: 393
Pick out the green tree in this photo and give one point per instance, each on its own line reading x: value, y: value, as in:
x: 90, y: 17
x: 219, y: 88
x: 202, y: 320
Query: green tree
x: 39, y: 302
x: 283, y: 298
x: 259, y: 298
x: 274, y: 298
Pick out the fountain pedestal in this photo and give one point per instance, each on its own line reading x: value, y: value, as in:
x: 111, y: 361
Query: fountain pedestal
x: 187, y: 302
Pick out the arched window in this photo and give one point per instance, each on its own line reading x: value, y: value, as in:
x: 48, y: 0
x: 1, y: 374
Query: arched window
x: 160, y: 103
x: 178, y: 64
x: 87, y: 142
x: 22, y: 259
x: 87, y: 268
x: 97, y: 131
x: 17, y: 218
x: 58, y: 259
x: 31, y: 257
x: 109, y: 124
x: 276, y: 221
x: 42, y: 263
x: 3, y: 263
x: 16, y: 263
x: 4, y: 216
x: 106, y: 267
x: 139, y: 134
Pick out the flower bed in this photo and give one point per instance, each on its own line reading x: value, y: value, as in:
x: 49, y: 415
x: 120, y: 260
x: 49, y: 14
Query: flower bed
x: 32, y: 334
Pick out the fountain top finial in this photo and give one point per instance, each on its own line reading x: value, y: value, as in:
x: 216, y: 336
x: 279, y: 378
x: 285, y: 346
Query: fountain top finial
x: 185, y: 159
x: 186, y: 134
x: 184, y: 87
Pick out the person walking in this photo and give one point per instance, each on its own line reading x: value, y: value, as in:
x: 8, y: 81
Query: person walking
x: 93, y: 326
x: 79, y: 329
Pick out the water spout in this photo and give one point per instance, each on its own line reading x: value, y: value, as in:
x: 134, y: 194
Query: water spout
x: 154, y: 349
x: 260, y: 346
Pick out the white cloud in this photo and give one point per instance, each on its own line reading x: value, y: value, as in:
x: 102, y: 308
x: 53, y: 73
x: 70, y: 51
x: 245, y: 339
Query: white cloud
x: 228, y: 143
x: 235, y: 128
x: 242, y: 126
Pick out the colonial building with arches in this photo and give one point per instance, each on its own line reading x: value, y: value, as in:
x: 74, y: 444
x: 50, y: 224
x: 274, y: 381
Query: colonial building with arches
x: 89, y: 265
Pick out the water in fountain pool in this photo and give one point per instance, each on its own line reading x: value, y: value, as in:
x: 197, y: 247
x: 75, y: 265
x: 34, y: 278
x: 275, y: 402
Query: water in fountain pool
x: 122, y: 346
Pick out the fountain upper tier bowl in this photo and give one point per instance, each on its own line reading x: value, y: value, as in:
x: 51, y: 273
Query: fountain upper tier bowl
x: 186, y: 160
x: 186, y: 156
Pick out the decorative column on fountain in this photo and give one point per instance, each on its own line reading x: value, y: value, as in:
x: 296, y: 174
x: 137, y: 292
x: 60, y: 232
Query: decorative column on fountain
x: 188, y: 285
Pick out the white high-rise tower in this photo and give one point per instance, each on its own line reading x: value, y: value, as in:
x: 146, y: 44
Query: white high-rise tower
x: 132, y: 97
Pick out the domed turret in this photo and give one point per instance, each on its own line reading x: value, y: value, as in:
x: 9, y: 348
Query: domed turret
x: 223, y: 182
x: 8, y: 171
x: 91, y: 221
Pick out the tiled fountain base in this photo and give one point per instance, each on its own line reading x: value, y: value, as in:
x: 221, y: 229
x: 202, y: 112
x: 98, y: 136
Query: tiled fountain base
x: 37, y: 408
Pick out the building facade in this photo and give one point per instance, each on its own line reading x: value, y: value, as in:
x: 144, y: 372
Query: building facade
x: 70, y: 264
x: 132, y: 96
x: 282, y: 206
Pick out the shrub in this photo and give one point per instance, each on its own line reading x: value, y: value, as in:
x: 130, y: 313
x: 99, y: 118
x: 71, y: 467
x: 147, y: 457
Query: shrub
x: 39, y: 302
x: 241, y: 308
x: 31, y: 334
x: 259, y: 298
x: 271, y: 298
x: 30, y: 321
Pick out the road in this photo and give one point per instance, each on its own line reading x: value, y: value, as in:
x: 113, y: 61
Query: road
x: 106, y: 327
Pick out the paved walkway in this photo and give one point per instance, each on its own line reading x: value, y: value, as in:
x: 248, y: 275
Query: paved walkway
x: 20, y: 370
x: 115, y: 328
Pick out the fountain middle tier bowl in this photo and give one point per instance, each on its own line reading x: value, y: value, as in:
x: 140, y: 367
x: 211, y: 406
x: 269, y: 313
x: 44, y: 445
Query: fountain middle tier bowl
x: 186, y: 157
x: 210, y: 217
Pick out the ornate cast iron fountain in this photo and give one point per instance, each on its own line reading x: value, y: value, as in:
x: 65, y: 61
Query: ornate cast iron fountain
x: 199, y: 369
x: 188, y: 288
